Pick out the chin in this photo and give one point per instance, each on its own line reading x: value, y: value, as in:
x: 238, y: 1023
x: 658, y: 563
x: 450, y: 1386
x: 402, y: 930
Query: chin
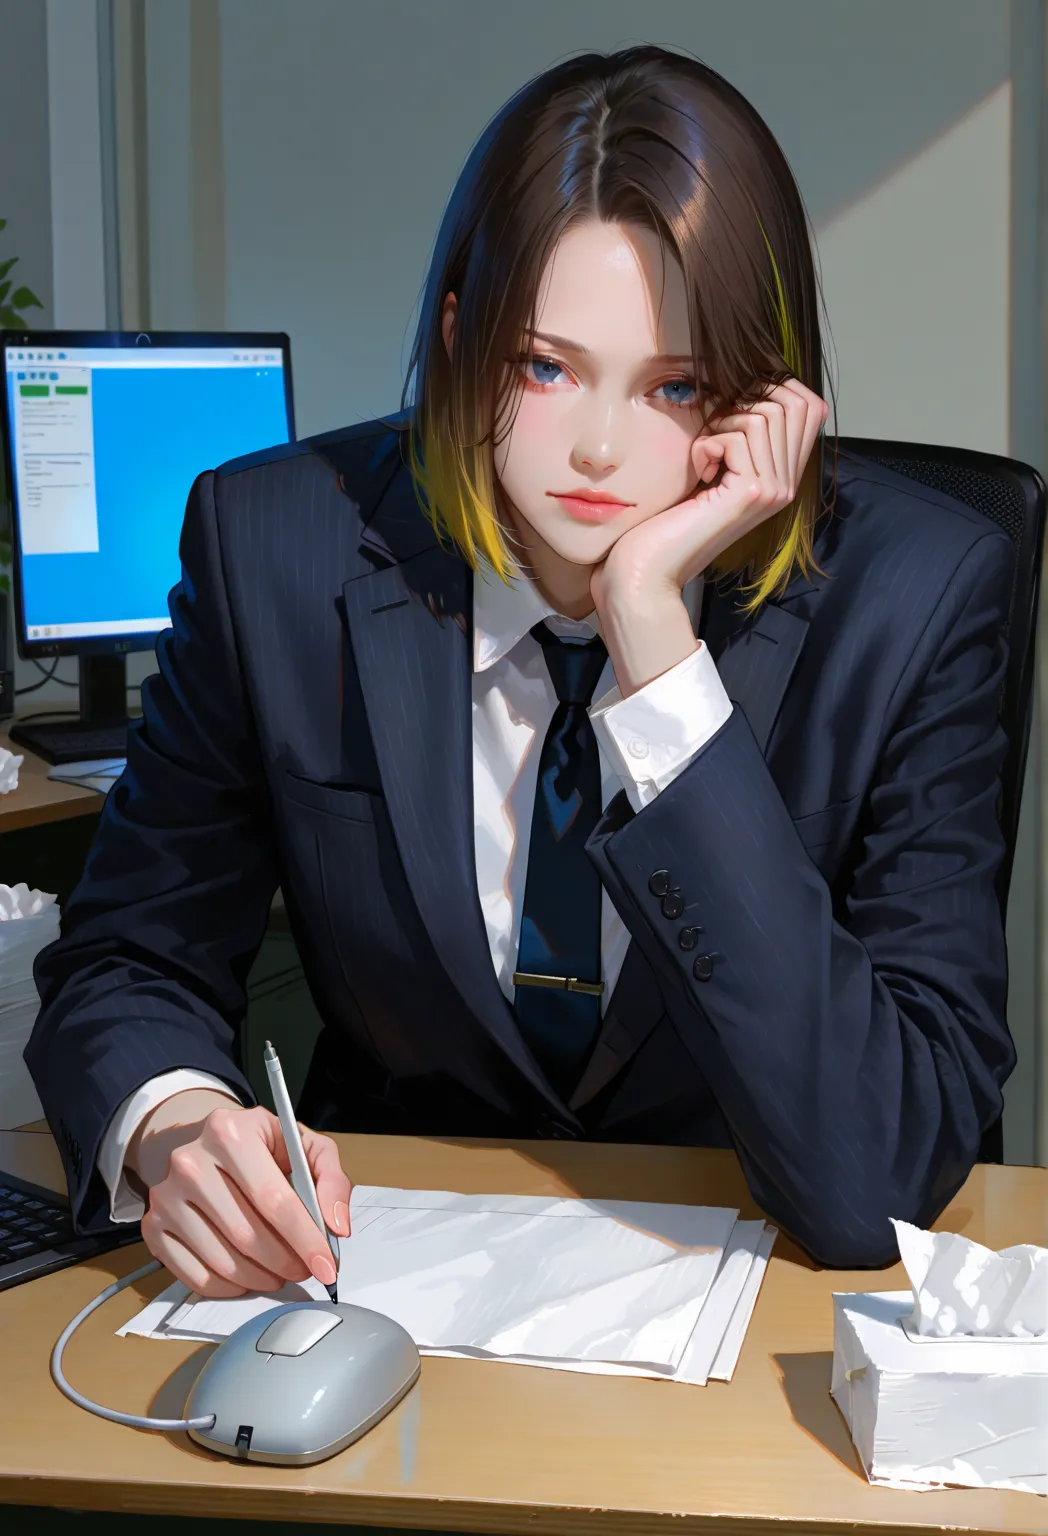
x: 578, y: 543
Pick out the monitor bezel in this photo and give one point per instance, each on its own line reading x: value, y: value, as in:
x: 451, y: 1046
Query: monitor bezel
x: 143, y: 640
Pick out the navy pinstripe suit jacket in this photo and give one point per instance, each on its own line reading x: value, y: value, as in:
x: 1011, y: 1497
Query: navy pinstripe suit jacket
x: 836, y: 843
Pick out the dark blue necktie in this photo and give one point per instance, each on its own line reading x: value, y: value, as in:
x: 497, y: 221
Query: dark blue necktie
x: 559, y: 1011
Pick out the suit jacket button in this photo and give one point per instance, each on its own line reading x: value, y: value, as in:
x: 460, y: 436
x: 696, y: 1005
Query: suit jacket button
x: 672, y: 905
x: 689, y: 937
x: 660, y: 883
x: 703, y: 967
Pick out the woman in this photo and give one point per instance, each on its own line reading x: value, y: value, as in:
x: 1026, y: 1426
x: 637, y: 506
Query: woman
x: 628, y: 765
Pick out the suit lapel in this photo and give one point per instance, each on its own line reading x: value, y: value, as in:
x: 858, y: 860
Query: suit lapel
x: 756, y: 656
x: 410, y: 624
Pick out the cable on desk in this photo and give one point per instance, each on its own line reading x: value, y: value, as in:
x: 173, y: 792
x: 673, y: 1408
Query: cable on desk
x: 65, y: 681
x: 47, y: 677
x: 135, y: 1420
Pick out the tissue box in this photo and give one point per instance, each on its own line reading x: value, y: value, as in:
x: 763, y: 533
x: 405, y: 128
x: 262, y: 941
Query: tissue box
x: 932, y: 1413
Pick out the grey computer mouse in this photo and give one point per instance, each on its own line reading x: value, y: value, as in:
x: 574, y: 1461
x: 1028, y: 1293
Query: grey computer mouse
x: 301, y: 1382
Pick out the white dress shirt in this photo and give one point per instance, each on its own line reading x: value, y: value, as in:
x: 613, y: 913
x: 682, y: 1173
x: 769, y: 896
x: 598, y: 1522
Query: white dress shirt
x: 644, y: 742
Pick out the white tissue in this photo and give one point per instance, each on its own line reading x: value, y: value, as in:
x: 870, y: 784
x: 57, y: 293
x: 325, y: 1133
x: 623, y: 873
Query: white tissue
x: 19, y: 901
x: 29, y: 919
x: 9, y: 766
x: 963, y: 1290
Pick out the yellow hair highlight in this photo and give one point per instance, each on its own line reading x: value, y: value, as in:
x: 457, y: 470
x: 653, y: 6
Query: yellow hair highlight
x: 783, y: 543
x: 454, y: 487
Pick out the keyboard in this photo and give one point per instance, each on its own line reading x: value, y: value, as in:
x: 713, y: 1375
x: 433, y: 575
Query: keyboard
x: 68, y: 741
x: 37, y: 1236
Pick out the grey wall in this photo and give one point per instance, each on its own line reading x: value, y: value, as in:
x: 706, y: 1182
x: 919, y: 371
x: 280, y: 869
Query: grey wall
x: 25, y: 178
x: 345, y: 125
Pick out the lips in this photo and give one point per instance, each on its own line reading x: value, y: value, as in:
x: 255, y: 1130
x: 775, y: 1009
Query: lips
x: 586, y: 507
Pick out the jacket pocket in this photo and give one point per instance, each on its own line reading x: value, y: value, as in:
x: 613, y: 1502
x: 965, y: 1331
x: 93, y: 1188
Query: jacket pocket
x: 819, y: 828
x: 348, y: 804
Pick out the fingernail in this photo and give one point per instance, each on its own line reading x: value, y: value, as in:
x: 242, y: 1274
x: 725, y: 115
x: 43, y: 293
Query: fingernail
x: 341, y: 1216
x: 323, y: 1268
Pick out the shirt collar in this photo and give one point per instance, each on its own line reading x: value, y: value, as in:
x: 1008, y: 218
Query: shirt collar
x: 504, y: 613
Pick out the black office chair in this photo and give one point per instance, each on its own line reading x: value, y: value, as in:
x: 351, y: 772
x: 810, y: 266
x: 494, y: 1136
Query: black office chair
x: 1012, y: 495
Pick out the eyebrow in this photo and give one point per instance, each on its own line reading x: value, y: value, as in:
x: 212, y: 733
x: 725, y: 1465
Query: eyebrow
x: 565, y: 345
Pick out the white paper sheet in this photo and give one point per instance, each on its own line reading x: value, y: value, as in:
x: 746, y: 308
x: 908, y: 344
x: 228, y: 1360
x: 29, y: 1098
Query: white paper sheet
x: 728, y: 1305
x: 608, y: 1287
x: 731, y: 1345
x: 611, y: 1280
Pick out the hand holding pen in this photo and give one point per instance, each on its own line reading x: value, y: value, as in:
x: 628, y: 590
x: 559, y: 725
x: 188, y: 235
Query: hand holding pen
x: 222, y: 1215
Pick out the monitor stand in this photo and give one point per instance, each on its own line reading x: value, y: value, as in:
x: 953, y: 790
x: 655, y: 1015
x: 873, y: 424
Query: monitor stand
x: 100, y: 730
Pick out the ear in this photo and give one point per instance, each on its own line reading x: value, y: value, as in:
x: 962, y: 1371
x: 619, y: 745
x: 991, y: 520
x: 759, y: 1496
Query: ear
x: 447, y: 323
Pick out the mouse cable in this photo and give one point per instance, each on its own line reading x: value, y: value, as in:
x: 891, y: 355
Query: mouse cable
x: 136, y: 1420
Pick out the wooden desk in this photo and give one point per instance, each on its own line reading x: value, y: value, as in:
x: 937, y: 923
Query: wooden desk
x: 39, y: 800
x: 480, y: 1446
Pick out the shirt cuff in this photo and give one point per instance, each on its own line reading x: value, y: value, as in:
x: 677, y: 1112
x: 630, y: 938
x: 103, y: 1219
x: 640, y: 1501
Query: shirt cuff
x: 124, y: 1204
x: 651, y: 737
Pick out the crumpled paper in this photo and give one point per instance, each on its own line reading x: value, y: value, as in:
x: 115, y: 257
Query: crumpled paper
x: 19, y: 901
x: 9, y: 766
x: 963, y: 1290
x: 29, y: 919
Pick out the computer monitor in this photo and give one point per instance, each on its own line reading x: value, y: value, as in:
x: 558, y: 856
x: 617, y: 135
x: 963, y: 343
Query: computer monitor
x: 104, y: 433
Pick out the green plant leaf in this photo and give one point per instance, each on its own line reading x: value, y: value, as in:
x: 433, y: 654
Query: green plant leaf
x: 5, y: 266
x: 3, y: 291
x: 9, y: 320
x: 3, y: 223
x: 25, y: 298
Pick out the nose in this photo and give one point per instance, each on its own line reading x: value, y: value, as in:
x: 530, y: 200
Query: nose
x: 597, y: 443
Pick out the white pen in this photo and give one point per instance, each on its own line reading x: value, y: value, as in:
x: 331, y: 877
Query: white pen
x: 301, y: 1178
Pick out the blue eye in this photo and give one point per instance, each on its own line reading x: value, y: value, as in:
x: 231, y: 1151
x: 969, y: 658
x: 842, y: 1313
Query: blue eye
x: 546, y: 371
x: 682, y: 392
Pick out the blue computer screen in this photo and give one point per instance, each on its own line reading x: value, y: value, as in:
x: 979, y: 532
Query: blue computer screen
x: 105, y: 447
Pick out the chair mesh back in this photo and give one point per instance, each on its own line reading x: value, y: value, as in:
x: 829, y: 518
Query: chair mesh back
x: 1002, y: 502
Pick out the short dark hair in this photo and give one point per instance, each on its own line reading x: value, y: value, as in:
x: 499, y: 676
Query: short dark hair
x: 643, y: 136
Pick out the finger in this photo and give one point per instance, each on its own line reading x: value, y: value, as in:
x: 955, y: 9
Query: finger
x: 184, y: 1264
x: 738, y: 459
x: 806, y: 414
x: 332, y: 1185
x: 707, y: 455
x: 714, y: 461
x: 246, y: 1146
x: 211, y: 1247
x: 765, y: 427
x: 816, y: 421
x: 195, y: 1179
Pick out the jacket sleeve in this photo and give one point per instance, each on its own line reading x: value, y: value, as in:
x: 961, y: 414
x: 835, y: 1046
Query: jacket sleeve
x: 149, y: 972
x: 855, y: 1040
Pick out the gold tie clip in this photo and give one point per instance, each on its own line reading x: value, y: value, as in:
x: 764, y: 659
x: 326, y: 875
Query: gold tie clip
x: 565, y: 983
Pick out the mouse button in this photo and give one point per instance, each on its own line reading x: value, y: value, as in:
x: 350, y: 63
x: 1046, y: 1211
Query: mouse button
x: 295, y: 1332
